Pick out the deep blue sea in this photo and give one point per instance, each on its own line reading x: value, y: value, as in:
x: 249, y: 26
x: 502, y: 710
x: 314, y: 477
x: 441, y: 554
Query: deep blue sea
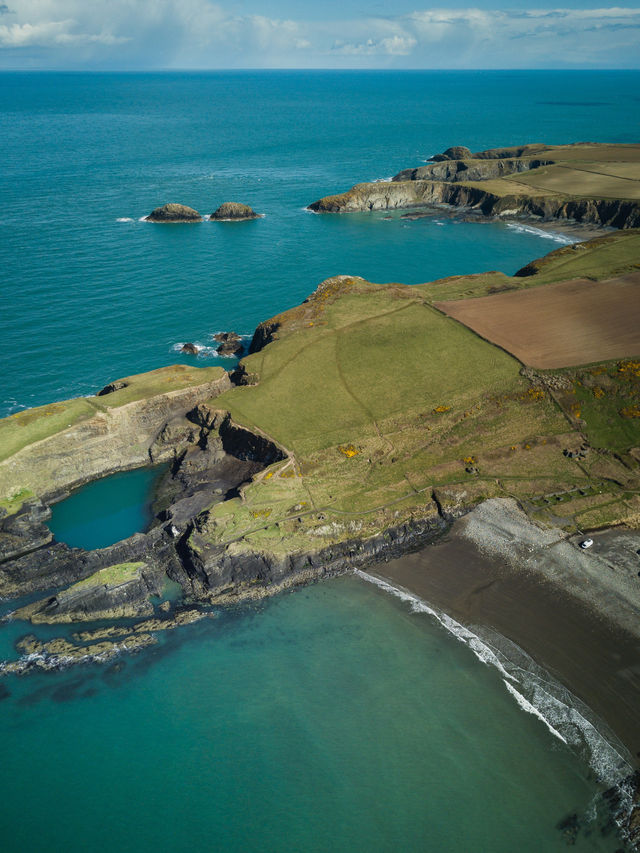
x: 334, y: 718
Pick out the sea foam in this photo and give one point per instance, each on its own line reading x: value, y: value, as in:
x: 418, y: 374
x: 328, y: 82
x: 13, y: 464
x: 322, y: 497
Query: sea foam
x: 565, y: 239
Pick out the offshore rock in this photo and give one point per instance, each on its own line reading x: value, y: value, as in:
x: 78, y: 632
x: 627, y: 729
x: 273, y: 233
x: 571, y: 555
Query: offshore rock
x: 233, y: 211
x: 230, y: 343
x: 190, y: 348
x: 174, y: 213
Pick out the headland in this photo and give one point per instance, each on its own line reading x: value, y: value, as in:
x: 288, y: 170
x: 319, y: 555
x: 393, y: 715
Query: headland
x: 588, y: 183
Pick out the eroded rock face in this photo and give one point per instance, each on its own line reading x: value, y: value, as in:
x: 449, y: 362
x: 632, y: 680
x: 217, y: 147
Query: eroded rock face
x: 232, y: 210
x: 174, y: 213
x: 418, y: 193
x: 461, y: 170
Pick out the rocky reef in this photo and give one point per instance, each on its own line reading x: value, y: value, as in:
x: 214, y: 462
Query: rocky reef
x: 233, y: 211
x: 174, y: 213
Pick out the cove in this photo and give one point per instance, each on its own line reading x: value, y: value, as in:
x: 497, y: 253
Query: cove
x: 107, y: 510
x: 329, y: 719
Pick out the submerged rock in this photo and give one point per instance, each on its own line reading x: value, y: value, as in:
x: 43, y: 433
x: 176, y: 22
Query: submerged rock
x: 174, y: 213
x: 234, y: 211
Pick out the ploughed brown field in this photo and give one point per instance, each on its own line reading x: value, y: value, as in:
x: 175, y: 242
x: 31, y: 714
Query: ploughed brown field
x: 559, y: 325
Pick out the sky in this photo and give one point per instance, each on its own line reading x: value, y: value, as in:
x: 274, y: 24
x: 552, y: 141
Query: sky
x: 205, y: 34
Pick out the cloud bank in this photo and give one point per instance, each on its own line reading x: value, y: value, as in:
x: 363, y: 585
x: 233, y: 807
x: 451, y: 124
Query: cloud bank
x: 199, y: 34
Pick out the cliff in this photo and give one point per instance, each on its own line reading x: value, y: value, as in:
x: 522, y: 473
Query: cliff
x: 592, y: 184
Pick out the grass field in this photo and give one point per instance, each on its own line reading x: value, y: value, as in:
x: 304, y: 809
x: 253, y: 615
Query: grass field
x: 604, y: 257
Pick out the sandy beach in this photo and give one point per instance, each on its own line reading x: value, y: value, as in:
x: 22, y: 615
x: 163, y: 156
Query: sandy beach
x: 576, y: 613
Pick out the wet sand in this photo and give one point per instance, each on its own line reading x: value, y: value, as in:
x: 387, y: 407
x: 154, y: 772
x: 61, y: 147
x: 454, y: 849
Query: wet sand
x: 583, y: 648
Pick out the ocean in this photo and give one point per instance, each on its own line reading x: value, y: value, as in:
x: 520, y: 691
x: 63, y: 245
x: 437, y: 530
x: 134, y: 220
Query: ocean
x: 336, y: 717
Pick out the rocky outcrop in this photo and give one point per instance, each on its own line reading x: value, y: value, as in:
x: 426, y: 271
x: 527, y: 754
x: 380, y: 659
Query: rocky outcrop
x: 460, y: 170
x: 232, y: 211
x: 114, y: 439
x: 115, y: 592
x: 220, y: 573
x: 190, y: 349
x: 231, y: 344
x: 112, y: 387
x: 265, y: 333
x: 533, y: 149
x: 406, y: 194
x: 174, y: 213
x: 456, y: 152
x: 460, y: 152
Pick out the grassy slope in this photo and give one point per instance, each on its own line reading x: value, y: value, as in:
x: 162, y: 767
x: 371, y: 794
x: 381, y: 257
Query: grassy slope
x: 32, y: 425
x: 352, y: 386
x: 377, y: 412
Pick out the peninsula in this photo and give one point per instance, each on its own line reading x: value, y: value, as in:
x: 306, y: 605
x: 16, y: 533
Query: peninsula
x: 590, y: 183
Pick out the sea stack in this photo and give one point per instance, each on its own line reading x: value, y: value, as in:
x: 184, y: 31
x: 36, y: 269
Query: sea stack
x: 232, y: 210
x: 174, y: 213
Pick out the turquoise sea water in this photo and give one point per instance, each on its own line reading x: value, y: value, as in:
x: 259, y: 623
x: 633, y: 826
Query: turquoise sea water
x: 106, y: 510
x: 332, y: 718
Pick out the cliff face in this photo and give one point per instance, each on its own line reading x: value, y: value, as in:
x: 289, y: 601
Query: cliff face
x: 421, y: 193
x: 461, y: 170
x: 114, y: 439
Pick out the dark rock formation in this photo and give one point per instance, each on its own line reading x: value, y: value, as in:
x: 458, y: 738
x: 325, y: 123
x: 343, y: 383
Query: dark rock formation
x: 459, y: 170
x: 232, y: 210
x: 111, y: 387
x: 230, y: 343
x: 189, y: 348
x: 265, y: 332
x: 456, y: 152
x: 221, y: 573
x: 174, y: 213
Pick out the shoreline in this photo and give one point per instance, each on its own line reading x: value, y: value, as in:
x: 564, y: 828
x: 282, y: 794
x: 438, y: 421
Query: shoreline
x: 578, y: 232
x: 582, y: 640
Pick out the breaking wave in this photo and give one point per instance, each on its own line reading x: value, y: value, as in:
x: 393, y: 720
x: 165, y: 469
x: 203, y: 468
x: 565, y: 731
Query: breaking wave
x: 541, y: 232
x: 566, y: 717
x: 210, y: 350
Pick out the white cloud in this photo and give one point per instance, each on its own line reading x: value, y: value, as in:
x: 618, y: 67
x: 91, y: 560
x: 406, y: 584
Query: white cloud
x: 206, y: 34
